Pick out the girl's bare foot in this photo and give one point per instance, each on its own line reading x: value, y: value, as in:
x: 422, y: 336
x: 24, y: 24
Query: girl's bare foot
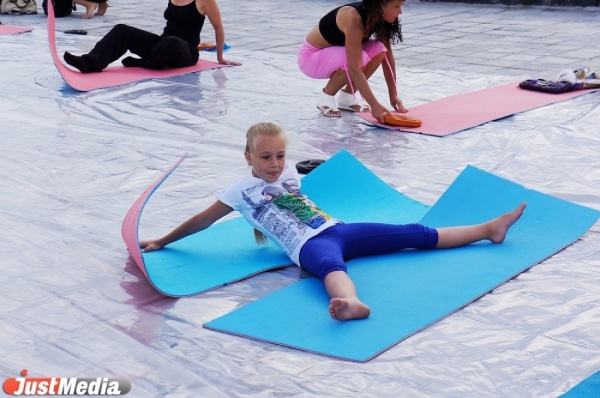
x: 102, y: 7
x: 344, y: 309
x: 500, y: 226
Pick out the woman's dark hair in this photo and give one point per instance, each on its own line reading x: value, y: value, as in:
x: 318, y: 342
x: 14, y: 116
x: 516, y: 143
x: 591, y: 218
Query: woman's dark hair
x: 384, y: 32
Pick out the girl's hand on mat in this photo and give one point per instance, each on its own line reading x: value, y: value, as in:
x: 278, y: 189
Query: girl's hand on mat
x: 223, y: 61
x: 150, y: 245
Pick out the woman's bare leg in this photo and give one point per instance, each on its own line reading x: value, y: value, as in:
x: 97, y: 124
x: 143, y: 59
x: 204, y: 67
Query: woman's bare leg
x: 339, y: 78
x: 102, y: 7
x: 90, y: 7
x: 494, y: 230
x: 336, y: 82
x: 368, y: 70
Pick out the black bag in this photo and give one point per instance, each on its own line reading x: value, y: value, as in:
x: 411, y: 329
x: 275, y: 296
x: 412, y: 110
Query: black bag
x: 546, y: 86
x: 306, y: 166
x: 62, y: 8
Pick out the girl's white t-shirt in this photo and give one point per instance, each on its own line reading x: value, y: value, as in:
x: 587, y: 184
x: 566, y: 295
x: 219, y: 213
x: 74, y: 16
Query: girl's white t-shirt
x: 279, y: 210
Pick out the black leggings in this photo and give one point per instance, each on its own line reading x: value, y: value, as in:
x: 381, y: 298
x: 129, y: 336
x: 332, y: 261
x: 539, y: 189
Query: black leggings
x: 156, y: 52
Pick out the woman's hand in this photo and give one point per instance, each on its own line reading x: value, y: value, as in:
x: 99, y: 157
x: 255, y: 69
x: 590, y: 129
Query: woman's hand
x: 223, y: 61
x: 378, y: 111
x: 397, y: 104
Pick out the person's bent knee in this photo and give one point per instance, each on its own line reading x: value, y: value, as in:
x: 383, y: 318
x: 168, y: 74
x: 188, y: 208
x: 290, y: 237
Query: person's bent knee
x: 171, y: 41
x: 322, y: 265
x: 430, y: 237
x: 121, y: 27
x: 378, y: 58
x: 373, y: 48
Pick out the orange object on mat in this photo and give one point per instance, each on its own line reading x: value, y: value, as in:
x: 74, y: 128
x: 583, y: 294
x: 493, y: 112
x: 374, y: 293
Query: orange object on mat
x: 207, y: 46
x: 396, y: 119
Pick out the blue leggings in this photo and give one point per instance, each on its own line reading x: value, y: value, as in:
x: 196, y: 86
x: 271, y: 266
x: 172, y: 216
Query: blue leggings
x: 329, y: 250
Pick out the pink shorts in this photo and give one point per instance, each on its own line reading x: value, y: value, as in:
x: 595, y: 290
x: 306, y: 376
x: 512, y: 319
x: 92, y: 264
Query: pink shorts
x: 321, y: 63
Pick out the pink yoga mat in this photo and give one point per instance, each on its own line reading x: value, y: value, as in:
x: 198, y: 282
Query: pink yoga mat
x: 113, y: 75
x: 9, y: 30
x: 463, y: 111
x: 129, y: 228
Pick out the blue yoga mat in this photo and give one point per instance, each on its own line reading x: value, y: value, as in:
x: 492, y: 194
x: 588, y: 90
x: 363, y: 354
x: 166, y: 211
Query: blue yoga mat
x: 410, y: 290
x: 227, y: 252
x: 589, y: 388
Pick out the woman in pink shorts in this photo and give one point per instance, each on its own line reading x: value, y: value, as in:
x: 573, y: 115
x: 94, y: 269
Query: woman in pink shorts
x: 340, y: 48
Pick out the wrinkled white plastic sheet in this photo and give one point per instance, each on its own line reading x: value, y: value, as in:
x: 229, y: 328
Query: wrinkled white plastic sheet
x: 75, y: 305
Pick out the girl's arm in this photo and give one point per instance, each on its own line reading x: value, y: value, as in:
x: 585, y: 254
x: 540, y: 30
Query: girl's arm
x: 211, y: 10
x: 350, y: 22
x: 389, y: 72
x: 195, y: 224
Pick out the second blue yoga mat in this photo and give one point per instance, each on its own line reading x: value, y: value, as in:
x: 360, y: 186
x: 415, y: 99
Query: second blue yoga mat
x: 411, y: 290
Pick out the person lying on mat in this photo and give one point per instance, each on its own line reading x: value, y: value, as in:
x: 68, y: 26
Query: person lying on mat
x: 271, y: 201
x: 346, y: 47
x: 177, y: 47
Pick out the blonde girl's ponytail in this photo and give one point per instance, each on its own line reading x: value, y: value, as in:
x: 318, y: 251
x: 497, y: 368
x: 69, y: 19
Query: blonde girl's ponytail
x: 260, y: 238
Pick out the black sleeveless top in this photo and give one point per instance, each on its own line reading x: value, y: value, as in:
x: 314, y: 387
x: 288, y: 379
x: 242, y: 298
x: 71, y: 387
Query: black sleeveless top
x: 184, y: 22
x: 329, y: 29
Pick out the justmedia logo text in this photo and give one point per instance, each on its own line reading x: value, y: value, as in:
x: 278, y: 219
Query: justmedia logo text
x: 65, y: 385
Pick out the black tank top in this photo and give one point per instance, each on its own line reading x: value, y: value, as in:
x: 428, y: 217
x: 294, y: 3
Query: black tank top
x: 329, y: 29
x: 184, y: 22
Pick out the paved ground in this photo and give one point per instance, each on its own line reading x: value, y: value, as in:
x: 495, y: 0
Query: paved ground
x: 471, y: 38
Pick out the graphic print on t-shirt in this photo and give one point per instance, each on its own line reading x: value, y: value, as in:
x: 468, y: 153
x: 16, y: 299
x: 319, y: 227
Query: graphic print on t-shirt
x: 285, y: 212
